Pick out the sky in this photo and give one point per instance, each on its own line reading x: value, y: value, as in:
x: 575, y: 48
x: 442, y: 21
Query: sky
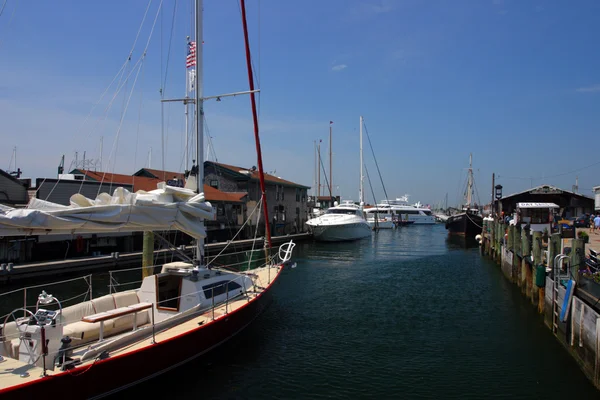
x: 514, y: 82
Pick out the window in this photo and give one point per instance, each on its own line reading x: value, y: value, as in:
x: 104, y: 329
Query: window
x: 168, y: 290
x: 297, y: 194
x: 220, y: 210
x: 276, y: 192
x: 282, y: 193
x: 535, y: 215
x: 217, y: 288
x: 303, y: 195
x: 214, y: 183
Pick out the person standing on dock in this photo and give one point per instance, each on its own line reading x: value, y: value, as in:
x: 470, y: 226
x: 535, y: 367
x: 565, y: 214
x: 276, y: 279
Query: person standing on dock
x: 597, y: 223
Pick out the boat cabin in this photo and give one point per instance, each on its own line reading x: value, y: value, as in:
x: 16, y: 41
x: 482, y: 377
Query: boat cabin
x: 538, y: 216
x: 178, y: 291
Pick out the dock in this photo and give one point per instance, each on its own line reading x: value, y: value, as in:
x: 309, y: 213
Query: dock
x: 124, y: 260
x: 527, y: 259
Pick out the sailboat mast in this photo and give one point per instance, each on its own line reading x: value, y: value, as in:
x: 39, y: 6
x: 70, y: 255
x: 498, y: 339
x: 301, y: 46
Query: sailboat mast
x: 470, y: 181
x: 255, y: 120
x: 187, y: 94
x: 361, y: 189
x: 199, y: 114
x: 330, y: 163
x: 319, y: 169
x: 316, y: 169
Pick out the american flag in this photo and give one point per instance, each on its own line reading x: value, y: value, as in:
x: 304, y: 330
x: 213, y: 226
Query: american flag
x: 191, y: 55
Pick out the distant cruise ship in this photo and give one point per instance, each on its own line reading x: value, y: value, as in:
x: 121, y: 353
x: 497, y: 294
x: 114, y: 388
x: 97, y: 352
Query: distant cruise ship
x: 404, y: 213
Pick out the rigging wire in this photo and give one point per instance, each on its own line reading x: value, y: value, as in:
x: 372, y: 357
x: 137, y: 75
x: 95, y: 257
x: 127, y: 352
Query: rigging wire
x: 375, y: 214
x: 120, y: 73
x: 137, y: 133
x: 140, y: 61
x: 325, y: 174
x: 375, y: 159
x: 12, y: 15
x: 3, y: 5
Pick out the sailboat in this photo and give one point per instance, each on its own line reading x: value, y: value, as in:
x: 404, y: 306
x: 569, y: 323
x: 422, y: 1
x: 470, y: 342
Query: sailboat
x: 469, y: 222
x: 345, y: 221
x: 99, y: 346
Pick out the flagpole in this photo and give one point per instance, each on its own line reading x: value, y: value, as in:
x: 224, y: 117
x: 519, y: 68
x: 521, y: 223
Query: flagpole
x: 199, y: 114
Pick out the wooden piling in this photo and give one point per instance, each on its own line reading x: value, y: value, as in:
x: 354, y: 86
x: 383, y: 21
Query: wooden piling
x: 148, y: 254
x: 553, y: 248
x: 511, y: 237
x: 537, y: 260
x: 537, y: 248
x: 577, y: 258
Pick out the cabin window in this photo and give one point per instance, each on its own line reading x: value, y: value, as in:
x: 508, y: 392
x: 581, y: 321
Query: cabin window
x: 214, y: 183
x: 214, y: 289
x: 410, y: 212
x: 168, y: 291
x: 535, y: 215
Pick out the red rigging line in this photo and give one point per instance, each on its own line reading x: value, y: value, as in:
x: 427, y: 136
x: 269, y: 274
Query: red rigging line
x: 255, y: 119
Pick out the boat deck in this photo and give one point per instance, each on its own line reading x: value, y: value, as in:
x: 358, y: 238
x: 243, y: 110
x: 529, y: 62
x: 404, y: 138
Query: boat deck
x: 14, y: 372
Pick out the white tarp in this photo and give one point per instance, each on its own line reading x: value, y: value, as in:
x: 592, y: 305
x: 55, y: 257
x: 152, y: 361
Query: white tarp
x: 166, y: 208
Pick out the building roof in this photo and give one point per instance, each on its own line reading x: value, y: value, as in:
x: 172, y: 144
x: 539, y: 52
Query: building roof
x: 138, y: 182
x: 147, y: 184
x: 546, y: 189
x: 252, y: 174
x: 160, y: 174
x: 212, y: 194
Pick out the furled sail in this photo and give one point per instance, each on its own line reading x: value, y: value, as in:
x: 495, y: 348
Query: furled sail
x: 166, y: 208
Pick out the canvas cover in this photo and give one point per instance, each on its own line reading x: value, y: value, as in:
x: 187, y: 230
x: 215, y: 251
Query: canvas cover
x: 166, y: 208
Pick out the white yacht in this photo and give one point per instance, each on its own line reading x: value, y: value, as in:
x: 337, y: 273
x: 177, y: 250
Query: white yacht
x: 407, y: 214
x: 340, y: 223
x: 380, y: 218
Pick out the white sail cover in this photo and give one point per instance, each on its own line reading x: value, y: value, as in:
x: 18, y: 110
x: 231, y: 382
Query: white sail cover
x: 166, y: 208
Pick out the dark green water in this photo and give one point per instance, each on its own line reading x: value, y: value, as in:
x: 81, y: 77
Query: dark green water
x: 407, y: 314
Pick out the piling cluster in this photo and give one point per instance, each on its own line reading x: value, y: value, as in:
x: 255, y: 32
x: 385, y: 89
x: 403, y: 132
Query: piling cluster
x: 528, y: 260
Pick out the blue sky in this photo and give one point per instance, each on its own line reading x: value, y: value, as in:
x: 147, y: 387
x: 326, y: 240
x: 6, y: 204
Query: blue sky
x: 516, y: 83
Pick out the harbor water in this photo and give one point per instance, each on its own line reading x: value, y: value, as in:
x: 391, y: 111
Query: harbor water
x: 406, y: 314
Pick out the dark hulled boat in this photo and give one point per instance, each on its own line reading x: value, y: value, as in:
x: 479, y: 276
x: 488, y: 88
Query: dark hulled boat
x: 466, y: 224
x: 469, y: 222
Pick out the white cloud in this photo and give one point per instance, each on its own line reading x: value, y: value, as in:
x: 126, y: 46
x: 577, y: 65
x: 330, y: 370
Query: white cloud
x: 339, y: 67
x: 589, y: 89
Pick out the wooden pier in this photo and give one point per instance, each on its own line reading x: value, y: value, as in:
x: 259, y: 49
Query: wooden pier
x: 527, y: 260
x: 124, y: 260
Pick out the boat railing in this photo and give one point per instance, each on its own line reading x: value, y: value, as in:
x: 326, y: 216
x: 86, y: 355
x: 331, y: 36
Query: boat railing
x: 29, y: 295
x: 116, y: 284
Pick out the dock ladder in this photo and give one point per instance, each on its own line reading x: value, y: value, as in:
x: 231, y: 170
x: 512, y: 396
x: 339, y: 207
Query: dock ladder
x: 558, y: 276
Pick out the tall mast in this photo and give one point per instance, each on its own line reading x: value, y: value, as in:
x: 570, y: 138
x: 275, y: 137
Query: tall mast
x: 361, y: 189
x: 316, y: 169
x: 187, y: 94
x: 319, y: 168
x: 199, y: 114
x: 330, y: 163
x: 255, y: 121
x: 470, y: 181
